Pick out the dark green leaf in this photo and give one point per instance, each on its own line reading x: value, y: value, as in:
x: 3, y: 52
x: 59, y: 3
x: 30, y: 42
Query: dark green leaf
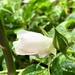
x: 60, y: 42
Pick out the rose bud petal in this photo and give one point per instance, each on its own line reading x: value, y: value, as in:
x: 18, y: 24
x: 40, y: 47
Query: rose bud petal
x: 32, y: 43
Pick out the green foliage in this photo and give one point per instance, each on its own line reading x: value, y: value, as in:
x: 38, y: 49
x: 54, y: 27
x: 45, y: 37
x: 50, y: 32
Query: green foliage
x: 60, y: 42
x: 63, y: 66
x: 41, y: 16
x: 32, y: 70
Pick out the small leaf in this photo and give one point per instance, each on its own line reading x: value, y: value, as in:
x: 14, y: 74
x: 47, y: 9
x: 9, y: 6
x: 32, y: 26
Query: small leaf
x: 60, y: 42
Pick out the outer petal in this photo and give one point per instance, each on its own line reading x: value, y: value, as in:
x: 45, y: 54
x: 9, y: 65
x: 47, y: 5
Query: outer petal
x: 32, y: 43
x: 50, y: 49
x: 22, y: 48
x: 33, y: 36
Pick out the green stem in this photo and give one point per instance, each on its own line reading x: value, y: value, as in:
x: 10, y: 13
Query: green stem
x: 71, y: 51
x: 59, y: 54
x: 69, y: 57
x: 44, y: 32
x: 49, y: 62
x: 7, y: 51
x: 5, y: 72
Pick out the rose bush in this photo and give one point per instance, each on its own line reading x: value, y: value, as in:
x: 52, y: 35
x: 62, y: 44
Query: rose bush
x: 32, y: 43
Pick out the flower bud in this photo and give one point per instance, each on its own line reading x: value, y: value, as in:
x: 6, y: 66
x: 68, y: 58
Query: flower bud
x: 32, y: 43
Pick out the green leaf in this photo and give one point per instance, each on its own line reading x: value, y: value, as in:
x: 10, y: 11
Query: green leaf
x: 71, y: 16
x: 56, y: 68
x: 70, y: 24
x: 6, y: 10
x: 60, y: 42
x: 66, y: 64
x: 63, y: 66
x: 68, y: 73
x: 32, y: 70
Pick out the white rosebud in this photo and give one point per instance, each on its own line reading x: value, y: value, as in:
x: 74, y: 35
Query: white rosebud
x: 32, y: 43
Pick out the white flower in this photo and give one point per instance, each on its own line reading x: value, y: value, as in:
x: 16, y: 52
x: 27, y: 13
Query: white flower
x: 25, y: 1
x: 52, y: 0
x: 32, y: 43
